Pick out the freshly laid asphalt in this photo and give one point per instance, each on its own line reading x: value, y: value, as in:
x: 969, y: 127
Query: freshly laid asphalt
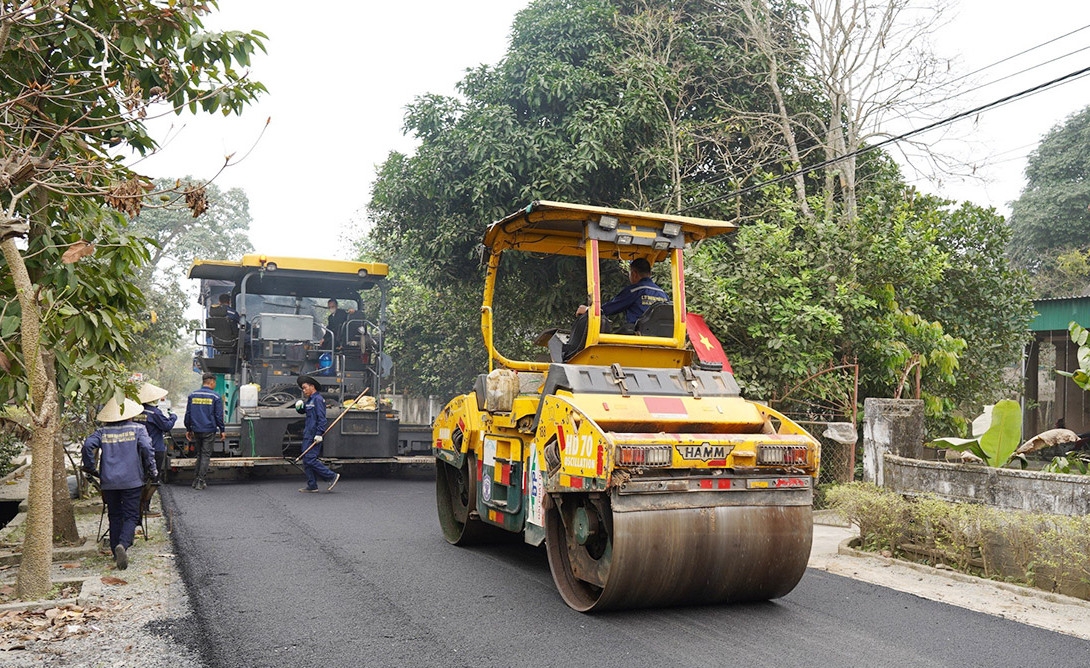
x: 362, y: 576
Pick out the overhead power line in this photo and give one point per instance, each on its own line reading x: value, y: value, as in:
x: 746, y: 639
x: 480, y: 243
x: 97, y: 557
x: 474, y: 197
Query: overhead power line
x: 1000, y: 62
x: 810, y: 142
x: 1008, y: 76
x: 901, y: 137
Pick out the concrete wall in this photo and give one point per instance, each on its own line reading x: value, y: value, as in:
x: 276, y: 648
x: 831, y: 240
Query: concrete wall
x: 1003, y: 488
x: 416, y: 410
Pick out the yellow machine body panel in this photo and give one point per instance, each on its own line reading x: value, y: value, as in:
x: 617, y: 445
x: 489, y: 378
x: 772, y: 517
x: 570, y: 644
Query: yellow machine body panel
x: 594, y: 432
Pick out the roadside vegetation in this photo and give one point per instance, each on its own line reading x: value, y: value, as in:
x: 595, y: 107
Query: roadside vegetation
x: 10, y: 447
x: 1050, y: 552
x: 1050, y: 220
x: 80, y: 78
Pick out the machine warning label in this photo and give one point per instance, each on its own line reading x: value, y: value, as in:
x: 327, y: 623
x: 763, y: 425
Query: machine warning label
x: 537, y: 491
x: 704, y: 452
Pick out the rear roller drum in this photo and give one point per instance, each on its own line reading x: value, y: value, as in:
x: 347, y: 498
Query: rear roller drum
x: 623, y: 552
x: 456, y: 501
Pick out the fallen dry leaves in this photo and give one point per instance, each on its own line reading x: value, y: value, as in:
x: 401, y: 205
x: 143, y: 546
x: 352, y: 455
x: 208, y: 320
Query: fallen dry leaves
x: 18, y: 627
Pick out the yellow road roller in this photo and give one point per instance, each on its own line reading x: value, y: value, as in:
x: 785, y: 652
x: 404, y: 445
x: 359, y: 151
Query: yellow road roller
x: 626, y: 448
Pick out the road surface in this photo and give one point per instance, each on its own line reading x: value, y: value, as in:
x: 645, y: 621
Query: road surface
x: 361, y: 576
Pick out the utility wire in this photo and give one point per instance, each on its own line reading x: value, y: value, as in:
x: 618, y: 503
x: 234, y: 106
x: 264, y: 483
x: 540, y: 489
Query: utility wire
x: 810, y: 142
x: 1000, y: 62
x: 1004, y: 78
x: 901, y: 137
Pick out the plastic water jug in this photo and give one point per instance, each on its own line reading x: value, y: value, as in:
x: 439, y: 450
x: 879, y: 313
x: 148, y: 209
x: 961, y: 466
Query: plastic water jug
x: 247, y: 396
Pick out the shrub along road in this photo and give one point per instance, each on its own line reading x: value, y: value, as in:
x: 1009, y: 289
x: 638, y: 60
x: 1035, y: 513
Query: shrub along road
x: 362, y: 576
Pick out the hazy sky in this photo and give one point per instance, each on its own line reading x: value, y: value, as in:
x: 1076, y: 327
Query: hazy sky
x: 340, y: 73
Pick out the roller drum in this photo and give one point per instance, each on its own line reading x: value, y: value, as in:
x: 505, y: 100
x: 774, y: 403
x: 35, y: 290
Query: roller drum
x: 678, y: 555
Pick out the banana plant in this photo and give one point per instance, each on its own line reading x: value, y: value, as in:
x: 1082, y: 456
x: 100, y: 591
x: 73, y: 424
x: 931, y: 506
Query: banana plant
x: 997, y: 445
x: 1079, y: 336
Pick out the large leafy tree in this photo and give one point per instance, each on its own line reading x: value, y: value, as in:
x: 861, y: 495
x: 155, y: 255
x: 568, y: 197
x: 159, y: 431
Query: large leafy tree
x: 1051, y: 218
x: 79, y: 77
x: 660, y: 106
x: 605, y: 102
x: 979, y: 296
x: 177, y: 238
x: 927, y: 287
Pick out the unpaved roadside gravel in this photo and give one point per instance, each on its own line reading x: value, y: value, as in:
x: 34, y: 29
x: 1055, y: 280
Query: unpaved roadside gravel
x: 137, y: 618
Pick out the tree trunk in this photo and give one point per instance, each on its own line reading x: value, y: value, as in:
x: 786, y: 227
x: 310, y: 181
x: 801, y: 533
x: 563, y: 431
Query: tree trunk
x: 758, y: 20
x: 34, y: 578
x: 65, y: 531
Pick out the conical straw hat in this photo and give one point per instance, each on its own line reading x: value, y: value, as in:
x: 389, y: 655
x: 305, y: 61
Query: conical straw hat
x: 111, y: 412
x: 150, y: 394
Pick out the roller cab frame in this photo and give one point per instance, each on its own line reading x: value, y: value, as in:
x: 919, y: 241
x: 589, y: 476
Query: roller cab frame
x: 635, y: 459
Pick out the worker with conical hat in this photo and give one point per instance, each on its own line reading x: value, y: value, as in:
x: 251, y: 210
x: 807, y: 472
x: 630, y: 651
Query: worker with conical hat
x: 157, y: 423
x: 125, y: 460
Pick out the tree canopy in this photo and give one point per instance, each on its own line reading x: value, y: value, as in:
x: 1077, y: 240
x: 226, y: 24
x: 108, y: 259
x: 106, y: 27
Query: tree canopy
x: 1051, y: 219
x: 78, y: 80
x: 176, y: 238
x: 663, y: 106
x: 602, y: 102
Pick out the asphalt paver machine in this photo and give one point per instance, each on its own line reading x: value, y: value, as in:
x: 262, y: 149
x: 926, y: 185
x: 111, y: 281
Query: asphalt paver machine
x: 272, y: 330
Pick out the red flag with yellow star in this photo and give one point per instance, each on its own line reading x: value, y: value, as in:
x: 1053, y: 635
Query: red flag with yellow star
x: 704, y: 343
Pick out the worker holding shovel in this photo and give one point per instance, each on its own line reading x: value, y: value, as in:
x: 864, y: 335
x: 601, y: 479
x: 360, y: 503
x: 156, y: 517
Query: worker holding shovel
x: 313, y: 405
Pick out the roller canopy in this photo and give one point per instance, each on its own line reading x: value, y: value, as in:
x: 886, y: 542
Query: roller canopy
x: 557, y: 228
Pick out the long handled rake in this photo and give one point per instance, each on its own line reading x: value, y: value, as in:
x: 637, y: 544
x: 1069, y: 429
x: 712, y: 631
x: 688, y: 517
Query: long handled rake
x: 343, y: 413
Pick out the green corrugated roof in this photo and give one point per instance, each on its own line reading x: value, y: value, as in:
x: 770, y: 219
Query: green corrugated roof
x: 1056, y: 314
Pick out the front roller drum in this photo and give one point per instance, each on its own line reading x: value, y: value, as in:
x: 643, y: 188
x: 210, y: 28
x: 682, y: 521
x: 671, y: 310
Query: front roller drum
x: 602, y: 560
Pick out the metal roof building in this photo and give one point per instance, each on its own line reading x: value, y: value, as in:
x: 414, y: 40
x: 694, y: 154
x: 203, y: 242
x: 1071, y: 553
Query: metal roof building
x: 1050, y: 397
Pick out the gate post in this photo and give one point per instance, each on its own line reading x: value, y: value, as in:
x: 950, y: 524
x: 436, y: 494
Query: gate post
x: 890, y: 425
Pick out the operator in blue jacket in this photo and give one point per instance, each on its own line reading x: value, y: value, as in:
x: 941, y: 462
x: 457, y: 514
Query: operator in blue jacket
x: 125, y: 461
x: 203, y: 419
x: 157, y: 423
x: 636, y: 297
x: 633, y: 300
x: 313, y: 430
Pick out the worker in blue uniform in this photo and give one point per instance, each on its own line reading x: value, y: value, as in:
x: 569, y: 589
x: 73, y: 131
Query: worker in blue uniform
x: 203, y: 420
x: 633, y: 300
x: 313, y: 405
x: 157, y: 423
x: 223, y: 309
x: 636, y: 297
x: 125, y: 461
